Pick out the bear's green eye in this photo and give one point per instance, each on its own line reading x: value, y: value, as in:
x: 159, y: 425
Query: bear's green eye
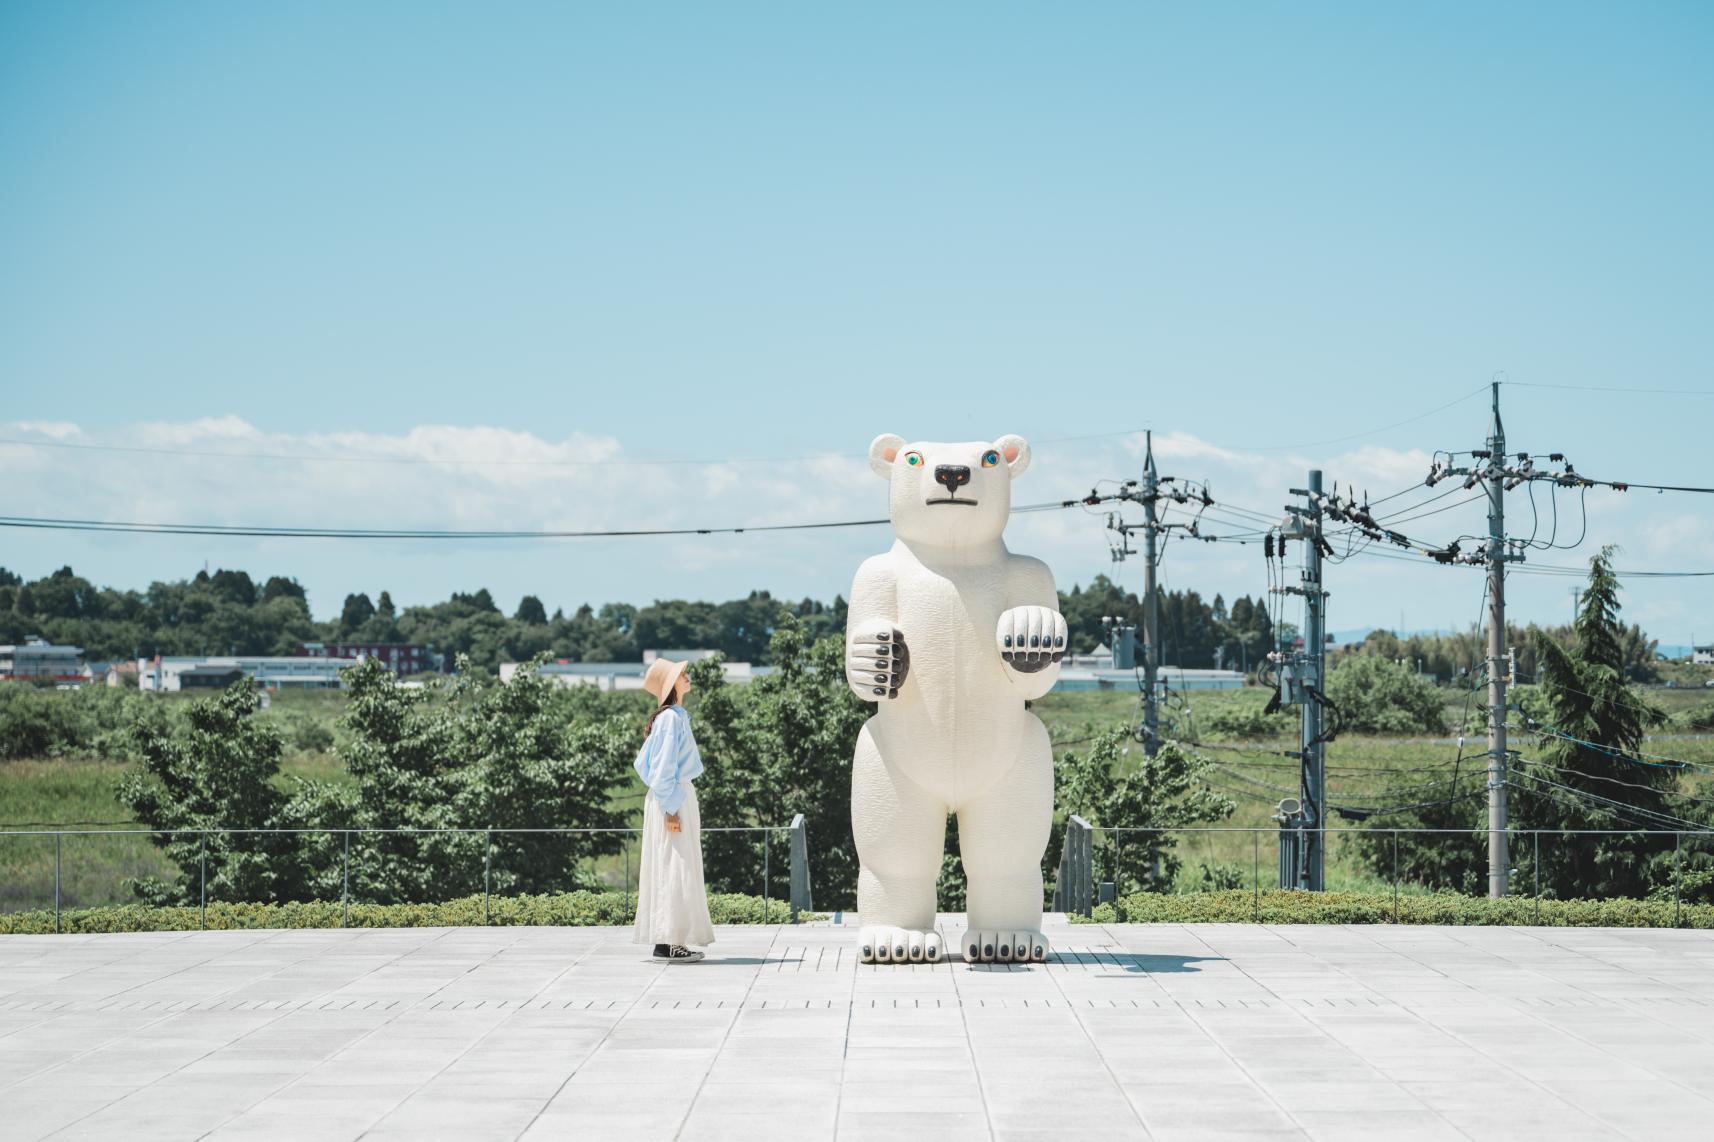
x: 990, y: 459
x: 914, y: 459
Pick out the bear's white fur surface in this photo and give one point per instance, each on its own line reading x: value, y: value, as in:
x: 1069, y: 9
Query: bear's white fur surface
x: 950, y: 633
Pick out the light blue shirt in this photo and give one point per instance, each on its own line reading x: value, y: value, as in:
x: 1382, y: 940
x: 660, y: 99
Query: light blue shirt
x: 669, y: 760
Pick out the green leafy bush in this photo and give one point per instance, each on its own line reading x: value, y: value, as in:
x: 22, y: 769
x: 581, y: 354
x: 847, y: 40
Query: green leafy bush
x: 1275, y: 906
x: 1114, y: 782
x: 566, y: 909
x: 1378, y: 696
x: 1244, y: 718
x: 89, y: 722
x: 1697, y: 719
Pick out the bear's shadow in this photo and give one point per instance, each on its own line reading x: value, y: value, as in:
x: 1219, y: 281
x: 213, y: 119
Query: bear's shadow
x: 1135, y: 963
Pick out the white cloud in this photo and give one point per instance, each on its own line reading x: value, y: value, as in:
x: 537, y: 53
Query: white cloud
x: 589, y: 481
x: 57, y: 429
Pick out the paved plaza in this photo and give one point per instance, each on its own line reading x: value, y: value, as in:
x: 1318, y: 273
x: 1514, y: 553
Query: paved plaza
x: 1169, y: 1032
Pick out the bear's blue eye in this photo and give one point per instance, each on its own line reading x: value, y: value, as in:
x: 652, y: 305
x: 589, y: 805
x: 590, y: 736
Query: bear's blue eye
x: 914, y: 459
x: 990, y: 459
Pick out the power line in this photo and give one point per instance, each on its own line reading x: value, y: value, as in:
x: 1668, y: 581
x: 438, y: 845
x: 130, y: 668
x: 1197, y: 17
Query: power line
x: 274, y: 532
x: 1619, y: 808
x: 1617, y: 781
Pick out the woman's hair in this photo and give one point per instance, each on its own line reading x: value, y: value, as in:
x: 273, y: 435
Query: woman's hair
x: 670, y: 698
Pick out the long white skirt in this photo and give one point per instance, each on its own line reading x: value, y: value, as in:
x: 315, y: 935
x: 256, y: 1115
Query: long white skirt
x: 672, y: 904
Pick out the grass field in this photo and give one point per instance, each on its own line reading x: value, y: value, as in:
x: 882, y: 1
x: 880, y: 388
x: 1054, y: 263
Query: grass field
x: 48, y: 793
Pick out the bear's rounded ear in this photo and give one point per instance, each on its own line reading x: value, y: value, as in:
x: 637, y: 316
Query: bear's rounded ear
x: 1016, y: 450
x: 883, y: 450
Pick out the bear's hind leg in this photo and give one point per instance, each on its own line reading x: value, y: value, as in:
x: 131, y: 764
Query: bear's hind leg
x: 900, y: 829
x: 1001, y: 838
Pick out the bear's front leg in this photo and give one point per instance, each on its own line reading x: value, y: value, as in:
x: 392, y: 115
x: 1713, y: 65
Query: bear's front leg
x: 1030, y: 638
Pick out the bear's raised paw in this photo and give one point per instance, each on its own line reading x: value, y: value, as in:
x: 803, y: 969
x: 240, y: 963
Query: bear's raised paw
x: 1031, y: 638
x: 876, y: 660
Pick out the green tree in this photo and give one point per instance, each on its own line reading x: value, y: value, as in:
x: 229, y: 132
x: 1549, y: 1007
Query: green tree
x: 357, y: 611
x: 1588, y: 772
x: 220, y: 772
x: 474, y: 755
x: 1115, y: 784
x: 530, y: 610
x: 780, y: 746
x: 1587, y: 726
x: 1376, y: 695
x: 279, y: 587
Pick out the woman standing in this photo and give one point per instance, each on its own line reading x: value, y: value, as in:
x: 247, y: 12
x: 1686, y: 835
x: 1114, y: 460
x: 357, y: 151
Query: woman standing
x: 672, y: 905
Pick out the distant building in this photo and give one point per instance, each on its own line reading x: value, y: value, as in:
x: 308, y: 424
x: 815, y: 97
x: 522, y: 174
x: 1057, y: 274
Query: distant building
x: 399, y: 657
x: 1700, y: 655
x: 677, y: 655
x: 110, y: 673
x: 629, y: 675
x: 37, y: 659
x: 1079, y: 677
x: 270, y: 672
x: 122, y: 674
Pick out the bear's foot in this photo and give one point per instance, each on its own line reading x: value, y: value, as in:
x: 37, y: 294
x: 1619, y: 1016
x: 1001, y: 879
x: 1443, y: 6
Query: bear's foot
x: 879, y: 944
x: 1005, y: 946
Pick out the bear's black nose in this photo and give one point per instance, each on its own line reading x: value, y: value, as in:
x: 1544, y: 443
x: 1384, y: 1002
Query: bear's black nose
x: 954, y: 476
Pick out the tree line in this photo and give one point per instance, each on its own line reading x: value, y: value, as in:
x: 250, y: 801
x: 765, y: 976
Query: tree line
x: 229, y: 612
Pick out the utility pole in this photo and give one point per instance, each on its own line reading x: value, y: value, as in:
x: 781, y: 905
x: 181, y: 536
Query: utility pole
x: 1489, y: 468
x: 1314, y: 650
x: 1151, y: 601
x: 1192, y: 495
x: 1499, y: 859
x: 1302, y: 677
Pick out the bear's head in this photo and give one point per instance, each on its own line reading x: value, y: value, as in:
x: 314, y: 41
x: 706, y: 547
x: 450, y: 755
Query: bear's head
x: 949, y: 494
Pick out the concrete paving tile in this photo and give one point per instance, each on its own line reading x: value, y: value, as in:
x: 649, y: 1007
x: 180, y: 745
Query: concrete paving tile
x: 571, y: 1030
x: 774, y: 1126
x: 892, y: 1125
x: 925, y: 1098
x: 638, y: 1122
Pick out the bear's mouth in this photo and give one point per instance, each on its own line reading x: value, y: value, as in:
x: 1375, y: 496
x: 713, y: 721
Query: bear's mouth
x: 950, y: 500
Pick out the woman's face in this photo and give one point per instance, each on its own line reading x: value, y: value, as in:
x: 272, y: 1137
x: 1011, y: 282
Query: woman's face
x: 683, y: 686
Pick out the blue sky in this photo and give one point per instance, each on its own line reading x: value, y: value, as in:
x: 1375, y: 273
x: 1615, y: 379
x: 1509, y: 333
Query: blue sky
x: 625, y: 233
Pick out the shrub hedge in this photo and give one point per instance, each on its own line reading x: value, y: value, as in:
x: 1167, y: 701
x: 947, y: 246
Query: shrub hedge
x: 1278, y: 907
x: 573, y: 909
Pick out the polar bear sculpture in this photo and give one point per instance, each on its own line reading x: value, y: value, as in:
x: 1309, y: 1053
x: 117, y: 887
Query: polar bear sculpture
x: 949, y: 634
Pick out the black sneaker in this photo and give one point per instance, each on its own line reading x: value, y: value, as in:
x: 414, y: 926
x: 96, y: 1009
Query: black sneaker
x: 676, y: 954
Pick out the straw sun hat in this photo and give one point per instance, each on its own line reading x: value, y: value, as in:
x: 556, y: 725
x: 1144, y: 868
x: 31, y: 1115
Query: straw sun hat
x: 662, y: 676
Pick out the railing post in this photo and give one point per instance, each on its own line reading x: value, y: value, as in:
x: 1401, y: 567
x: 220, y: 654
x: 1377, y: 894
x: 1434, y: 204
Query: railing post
x: 801, y: 898
x: 1059, y: 875
x: 1118, y: 866
x: 767, y: 835
x: 57, y: 839
x: 202, y: 891
x: 1678, y: 873
x: 487, y: 871
x: 1535, y: 859
x: 1087, y: 881
x: 345, y: 885
x: 625, y: 883
x: 1395, y: 876
x: 1076, y: 862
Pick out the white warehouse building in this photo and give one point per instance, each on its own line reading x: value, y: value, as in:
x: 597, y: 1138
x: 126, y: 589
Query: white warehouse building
x: 628, y: 675
x: 271, y: 672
